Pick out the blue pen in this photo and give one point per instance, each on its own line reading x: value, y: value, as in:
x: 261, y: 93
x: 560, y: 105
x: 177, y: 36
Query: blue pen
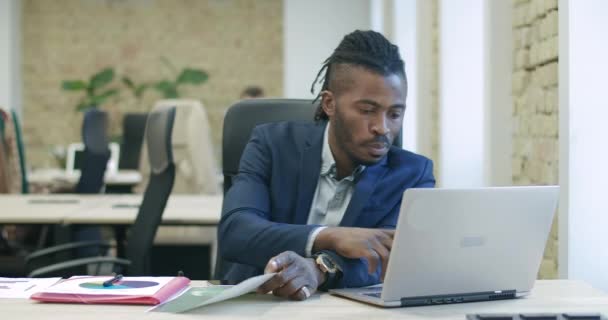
x: 112, y: 281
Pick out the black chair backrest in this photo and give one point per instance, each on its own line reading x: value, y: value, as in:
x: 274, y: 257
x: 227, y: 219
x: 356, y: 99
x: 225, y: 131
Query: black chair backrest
x: 96, y: 151
x: 159, y: 130
x: 133, y: 128
x: 243, y: 116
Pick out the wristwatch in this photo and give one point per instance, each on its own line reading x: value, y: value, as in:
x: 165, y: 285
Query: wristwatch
x: 329, y: 267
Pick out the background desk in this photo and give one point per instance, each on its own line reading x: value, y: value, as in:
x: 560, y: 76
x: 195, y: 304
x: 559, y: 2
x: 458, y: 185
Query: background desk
x: 547, y: 296
x: 199, y: 212
x: 105, y: 209
x: 49, y: 176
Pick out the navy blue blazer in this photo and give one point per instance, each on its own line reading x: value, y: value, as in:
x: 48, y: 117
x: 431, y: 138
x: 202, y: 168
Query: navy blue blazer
x: 265, y: 211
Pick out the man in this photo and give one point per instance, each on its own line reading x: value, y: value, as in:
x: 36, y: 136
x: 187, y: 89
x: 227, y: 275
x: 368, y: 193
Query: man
x: 252, y: 92
x: 318, y: 202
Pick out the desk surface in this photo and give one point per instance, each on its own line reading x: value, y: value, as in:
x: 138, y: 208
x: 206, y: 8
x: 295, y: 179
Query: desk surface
x: 122, y: 209
x: 105, y: 209
x: 547, y: 296
x: 50, y: 176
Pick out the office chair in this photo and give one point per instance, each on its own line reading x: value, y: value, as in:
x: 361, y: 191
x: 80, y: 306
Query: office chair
x: 21, y: 150
x: 141, y: 237
x: 196, y: 172
x: 239, y: 121
x: 196, y: 167
x: 133, y: 129
x: 95, y: 160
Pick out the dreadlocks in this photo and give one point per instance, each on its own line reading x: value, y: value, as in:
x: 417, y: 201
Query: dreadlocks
x: 368, y: 49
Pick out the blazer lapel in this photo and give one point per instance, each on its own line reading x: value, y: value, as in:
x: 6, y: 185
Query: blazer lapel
x: 363, y: 190
x: 310, y: 167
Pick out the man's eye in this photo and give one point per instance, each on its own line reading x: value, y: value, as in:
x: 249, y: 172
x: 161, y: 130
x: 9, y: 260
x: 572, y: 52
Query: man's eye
x: 367, y: 111
x: 395, y: 115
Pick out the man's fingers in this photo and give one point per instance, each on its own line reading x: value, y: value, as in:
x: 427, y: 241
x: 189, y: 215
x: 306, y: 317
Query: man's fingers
x: 276, y: 263
x: 302, y: 294
x: 372, y: 260
x: 279, y: 280
x: 388, y: 232
x: 384, y: 256
x: 290, y: 288
x: 386, y: 240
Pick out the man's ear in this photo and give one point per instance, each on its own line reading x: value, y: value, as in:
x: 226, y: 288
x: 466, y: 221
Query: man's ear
x: 328, y: 101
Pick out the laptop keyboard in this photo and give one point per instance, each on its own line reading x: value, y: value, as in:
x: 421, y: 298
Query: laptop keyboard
x: 537, y: 316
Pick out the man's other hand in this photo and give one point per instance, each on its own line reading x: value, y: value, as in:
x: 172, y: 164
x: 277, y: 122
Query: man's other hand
x: 297, y: 278
x: 373, y: 245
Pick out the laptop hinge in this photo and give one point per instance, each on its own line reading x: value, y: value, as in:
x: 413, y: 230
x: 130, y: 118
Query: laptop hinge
x: 458, y: 298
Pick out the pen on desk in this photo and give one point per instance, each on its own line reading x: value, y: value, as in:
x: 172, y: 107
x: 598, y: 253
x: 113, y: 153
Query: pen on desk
x: 112, y: 281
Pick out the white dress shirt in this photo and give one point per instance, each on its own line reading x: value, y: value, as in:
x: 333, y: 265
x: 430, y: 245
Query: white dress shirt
x: 331, y: 197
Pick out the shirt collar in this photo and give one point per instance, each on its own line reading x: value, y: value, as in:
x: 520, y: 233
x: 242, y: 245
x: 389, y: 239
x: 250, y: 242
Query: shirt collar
x: 328, y: 163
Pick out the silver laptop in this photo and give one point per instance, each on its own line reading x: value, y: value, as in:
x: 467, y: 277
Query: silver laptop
x: 464, y: 245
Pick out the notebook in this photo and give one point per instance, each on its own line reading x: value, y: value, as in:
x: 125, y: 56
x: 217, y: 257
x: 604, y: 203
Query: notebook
x: 129, y: 290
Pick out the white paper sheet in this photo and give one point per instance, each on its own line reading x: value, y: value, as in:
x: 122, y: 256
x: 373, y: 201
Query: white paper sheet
x: 23, y: 288
x: 135, y: 286
x: 201, y: 296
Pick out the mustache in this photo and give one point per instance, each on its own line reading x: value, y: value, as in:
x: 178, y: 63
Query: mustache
x: 380, y: 139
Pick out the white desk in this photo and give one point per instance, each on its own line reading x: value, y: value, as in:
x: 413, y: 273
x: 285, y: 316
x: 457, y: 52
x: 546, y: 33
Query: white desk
x: 36, y: 209
x: 51, y: 176
x: 122, y: 209
x: 105, y: 209
x: 547, y: 296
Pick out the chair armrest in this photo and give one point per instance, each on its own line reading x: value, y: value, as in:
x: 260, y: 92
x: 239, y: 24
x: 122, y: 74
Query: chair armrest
x: 64, y: 247
x: 77, y: 263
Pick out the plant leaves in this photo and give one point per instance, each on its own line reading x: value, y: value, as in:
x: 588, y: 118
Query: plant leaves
x: 102, y: 78
x: 163, y: 85
x: 171, y: 93
x: 98, y: 100
x: 139, y: 91
x: 167, y: 88
x: 128, y: 82
x: 74, y: 85
x: 85, y: 104
x: 192, y: 76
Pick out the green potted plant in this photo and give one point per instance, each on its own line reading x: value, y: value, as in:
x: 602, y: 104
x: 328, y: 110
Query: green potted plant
x: 95, y: 94
x: 169, y: 88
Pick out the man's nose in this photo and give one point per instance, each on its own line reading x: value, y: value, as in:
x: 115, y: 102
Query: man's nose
x: 380, y: 125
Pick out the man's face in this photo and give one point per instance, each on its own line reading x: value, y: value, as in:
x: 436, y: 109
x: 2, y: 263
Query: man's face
x: 365, y: 115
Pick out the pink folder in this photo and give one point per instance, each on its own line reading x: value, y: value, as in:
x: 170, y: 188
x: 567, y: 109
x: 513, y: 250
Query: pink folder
x: 167, y: 291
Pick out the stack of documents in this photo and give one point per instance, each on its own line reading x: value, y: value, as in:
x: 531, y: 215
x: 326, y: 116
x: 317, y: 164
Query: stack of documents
x: 129, y: 290
x: 24, y: 287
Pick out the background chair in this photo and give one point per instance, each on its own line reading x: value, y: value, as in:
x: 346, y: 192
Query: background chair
x: 196, y: 167
x: 15, y: 240
x: 133, y: 129
x: 91, y: 181
x: 196, y: 172
x: 141, y: 236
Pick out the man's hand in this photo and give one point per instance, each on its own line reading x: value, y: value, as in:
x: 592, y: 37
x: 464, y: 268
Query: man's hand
x: 374, y: 245
x: 297, y: 277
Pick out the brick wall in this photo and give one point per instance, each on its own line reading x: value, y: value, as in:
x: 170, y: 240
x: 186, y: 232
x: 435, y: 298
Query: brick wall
x: 237, y: 42
x: 434, y: 70
x: 535, y: 109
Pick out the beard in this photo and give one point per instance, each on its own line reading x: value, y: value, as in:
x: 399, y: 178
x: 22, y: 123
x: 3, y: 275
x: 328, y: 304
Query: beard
x: 344, y: 138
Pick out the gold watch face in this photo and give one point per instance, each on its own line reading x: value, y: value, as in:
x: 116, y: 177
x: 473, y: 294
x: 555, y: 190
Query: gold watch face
x: 325, y: 264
